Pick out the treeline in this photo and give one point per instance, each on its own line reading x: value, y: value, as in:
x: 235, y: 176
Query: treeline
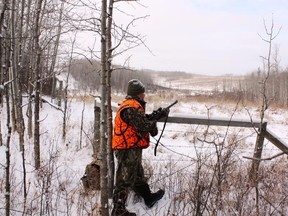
x: 276, y: 89
x: 250, y: 87
x: 87, y: 74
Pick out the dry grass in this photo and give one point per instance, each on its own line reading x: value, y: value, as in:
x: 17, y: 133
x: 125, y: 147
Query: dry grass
x: 165, y: 97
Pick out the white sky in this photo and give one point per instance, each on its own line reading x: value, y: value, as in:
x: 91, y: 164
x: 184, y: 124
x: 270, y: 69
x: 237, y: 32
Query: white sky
x: 206, y: 36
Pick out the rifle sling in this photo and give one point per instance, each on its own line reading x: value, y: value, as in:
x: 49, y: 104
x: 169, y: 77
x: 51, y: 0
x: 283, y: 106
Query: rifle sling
x: 155, y: 149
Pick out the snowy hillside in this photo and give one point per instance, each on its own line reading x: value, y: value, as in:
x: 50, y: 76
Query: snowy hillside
x: 185, y: 165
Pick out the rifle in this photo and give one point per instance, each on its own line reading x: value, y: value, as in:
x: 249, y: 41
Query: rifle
x: 175, y: 102
x: 168, y: 108
x: 158, y: 114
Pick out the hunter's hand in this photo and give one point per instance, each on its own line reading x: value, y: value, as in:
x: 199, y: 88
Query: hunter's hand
x: 158, y: 114
x: 161, y: 113
x: 165, y: 112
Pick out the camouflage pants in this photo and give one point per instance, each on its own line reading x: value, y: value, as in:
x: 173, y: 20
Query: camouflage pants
x: 129, y: 173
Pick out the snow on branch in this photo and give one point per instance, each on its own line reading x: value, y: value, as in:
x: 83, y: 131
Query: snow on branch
x: 52, y: 105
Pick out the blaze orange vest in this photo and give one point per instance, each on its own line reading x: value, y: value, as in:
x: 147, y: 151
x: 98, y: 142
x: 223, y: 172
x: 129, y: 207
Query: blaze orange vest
x: 125, y: 135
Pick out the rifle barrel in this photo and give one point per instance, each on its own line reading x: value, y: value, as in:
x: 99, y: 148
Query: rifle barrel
x: 175, y: 102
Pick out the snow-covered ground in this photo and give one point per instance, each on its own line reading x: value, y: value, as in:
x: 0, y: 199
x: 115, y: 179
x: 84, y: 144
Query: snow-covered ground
x: 63, y: 161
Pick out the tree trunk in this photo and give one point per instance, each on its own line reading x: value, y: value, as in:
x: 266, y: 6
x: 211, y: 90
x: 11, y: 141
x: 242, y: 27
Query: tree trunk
x: 4, y: 62
x: 103, y: 114
x: 17, y: 92
x: 28, y: 45
x: 267, y: 67
x: 37, y: 87
x: 7, y: 168
x: 65, y: 93
x: 55, y: 51
x: 17, y: 95
x: 2, y: 49
x: 81, y: 125
x: 110, y: 158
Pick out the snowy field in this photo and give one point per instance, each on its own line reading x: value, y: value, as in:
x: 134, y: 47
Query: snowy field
x: 58, y: 190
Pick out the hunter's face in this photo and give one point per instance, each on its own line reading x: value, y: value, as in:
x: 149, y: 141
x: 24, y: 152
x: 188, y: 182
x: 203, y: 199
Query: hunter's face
x: 142, y: 95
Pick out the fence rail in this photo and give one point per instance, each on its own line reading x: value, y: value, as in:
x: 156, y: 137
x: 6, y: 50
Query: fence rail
x: 276, y: 141
x: 181, y: 119
x: 228, y: 122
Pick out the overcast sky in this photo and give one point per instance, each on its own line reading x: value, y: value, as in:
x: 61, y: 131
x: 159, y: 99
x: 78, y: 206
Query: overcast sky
x: 207, y: 36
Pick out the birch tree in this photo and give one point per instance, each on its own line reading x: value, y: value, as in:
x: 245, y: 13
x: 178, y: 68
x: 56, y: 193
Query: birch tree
x: 110, y: 158
x: 103, y: 114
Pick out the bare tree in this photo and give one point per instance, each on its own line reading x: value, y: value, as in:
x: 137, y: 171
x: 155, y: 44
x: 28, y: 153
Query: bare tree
x: 2, y: 56
x: 7, y: 176
x: 55, y: 50
x: 103, y: 114
x: 16, y: 91
x: 30, y: 76
x: 65, y: 93
x: 3, y: 10
x: 111, y: 166
x: 17, y: 87
x: 265, y: 102
x: 37, y: 84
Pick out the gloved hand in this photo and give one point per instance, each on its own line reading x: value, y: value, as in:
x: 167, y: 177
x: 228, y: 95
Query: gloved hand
x: 158, y: 114
x: 154, y: 131
x: 165, y: 112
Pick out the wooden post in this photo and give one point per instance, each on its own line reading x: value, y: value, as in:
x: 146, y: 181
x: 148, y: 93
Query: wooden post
x: 60, y: 93
x: 96, y: 138
x: 257, y: 153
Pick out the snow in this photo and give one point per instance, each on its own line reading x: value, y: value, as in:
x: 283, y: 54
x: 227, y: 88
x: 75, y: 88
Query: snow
x: 63, y: 162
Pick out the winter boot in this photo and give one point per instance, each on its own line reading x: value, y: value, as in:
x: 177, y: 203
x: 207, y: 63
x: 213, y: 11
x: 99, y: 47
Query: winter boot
x: 119, y: 200
x: 154, y: 197
x: 149, y: 198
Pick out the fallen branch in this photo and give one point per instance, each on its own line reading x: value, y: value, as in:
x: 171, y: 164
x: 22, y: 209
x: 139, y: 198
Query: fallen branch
x: 52, y: 105
x: 263, y: 159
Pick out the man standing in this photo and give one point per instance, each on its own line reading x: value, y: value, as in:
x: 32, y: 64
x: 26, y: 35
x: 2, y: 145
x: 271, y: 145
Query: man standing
x: 132, y: 130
